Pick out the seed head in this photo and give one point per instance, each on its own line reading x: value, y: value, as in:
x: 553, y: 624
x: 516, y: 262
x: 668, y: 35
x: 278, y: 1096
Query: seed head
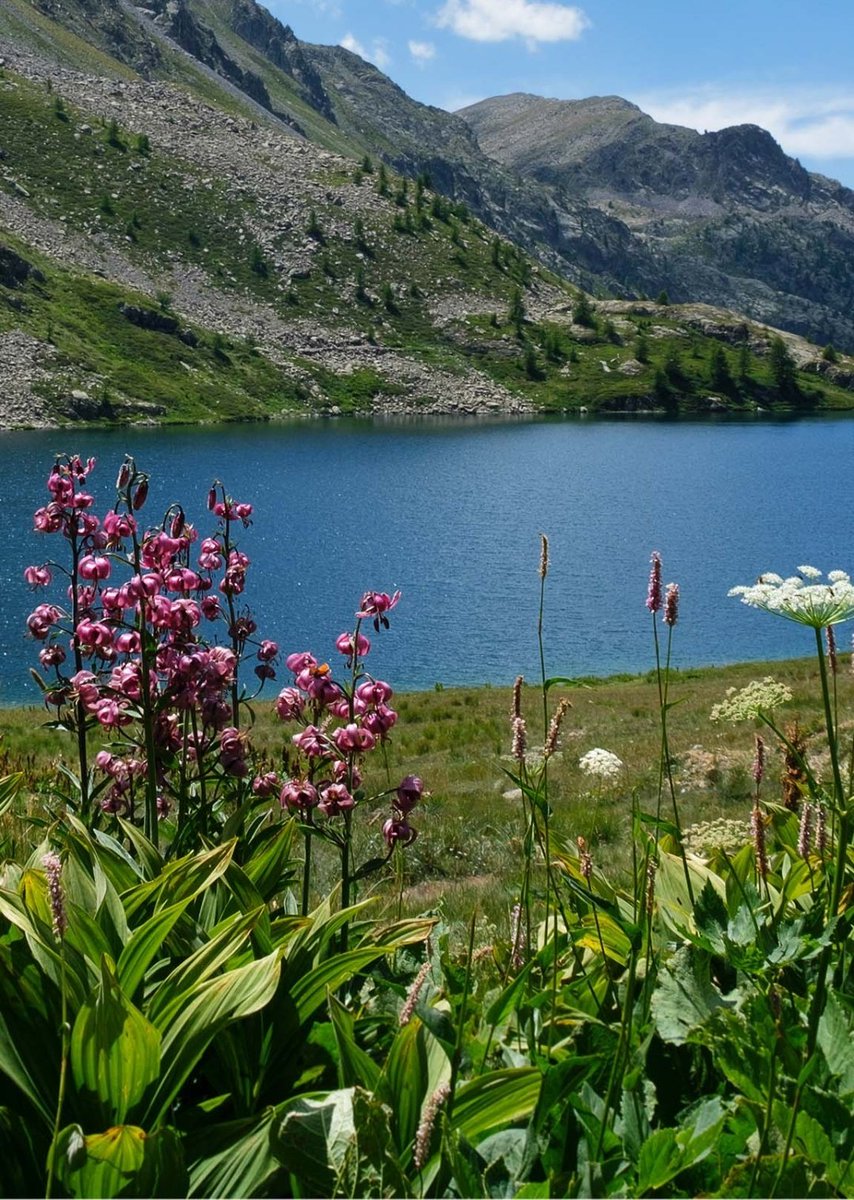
x: 517, y: 696
x: 759, y: 760
x: 544, y: 556
x: 830, y: 637
x: 757, y: 829
x: 586, y: 862
x: 412, y: 995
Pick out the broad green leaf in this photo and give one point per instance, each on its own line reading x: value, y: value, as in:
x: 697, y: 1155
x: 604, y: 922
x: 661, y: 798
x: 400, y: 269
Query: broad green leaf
x: 212, y: 955
x: 464, y: 1161
x: 684, y: 997
x: 144, y: 943
x: 659, y: 1161
x: 234, y: 1160
x: 268, y: 866
x: 14, y: 1067
x: 184, y: 878
x: 122, y: 1161
x: 308, y: 993
x: 207, y: 1009
x: 836, y: 1039
x: 602, y: 934
x: 340, y: 1145
x: 505, y: 1003
x: 491, y: 1102
x: 355, y: 1066
x: 313, y: 1139
x: 115, y: 1051
x: 10, y: 786
x: 405, y: 1080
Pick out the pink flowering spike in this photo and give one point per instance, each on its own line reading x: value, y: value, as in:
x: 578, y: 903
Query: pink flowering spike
x: 409, y: 792
x: 671, y: 605
x: 653, y: 595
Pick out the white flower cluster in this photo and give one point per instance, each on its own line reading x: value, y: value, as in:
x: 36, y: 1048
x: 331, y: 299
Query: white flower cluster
x: 760, y: 695
x: 814, y: 604
x: 601, y: 763
x: 723, y: 833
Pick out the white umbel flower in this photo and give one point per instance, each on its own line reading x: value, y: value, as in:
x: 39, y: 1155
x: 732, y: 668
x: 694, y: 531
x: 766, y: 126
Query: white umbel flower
x: 813, y: 604
x: 601, y: 763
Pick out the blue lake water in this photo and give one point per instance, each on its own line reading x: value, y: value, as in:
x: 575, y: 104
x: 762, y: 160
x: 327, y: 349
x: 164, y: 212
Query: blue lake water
x: 451, y: 512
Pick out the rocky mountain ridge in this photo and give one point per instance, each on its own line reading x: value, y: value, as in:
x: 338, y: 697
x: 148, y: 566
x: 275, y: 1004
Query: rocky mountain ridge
x: 174, y: 246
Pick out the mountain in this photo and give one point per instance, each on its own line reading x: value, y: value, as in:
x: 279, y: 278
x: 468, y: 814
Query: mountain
x: 198, y: 222
x: 729, y: 218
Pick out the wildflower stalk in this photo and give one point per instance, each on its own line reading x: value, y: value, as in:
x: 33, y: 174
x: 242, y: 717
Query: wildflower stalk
x: 80, y: 722
x: 53, y: 871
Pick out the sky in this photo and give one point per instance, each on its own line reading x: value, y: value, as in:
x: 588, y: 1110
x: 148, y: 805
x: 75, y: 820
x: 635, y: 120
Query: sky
x: 783, y: 64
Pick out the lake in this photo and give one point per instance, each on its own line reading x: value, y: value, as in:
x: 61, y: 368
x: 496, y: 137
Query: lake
x: 450, y: 512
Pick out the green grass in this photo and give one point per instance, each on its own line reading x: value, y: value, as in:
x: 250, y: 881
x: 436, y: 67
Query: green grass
x: 469, y: 848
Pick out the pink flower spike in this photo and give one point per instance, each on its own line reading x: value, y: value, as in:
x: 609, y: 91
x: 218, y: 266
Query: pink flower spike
x: 653, y: 596
x: 671, y: 605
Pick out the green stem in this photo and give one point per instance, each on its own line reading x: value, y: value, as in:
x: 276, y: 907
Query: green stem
x: 306, y: 875
x: 63, y: 1074
x: 766, y: 1124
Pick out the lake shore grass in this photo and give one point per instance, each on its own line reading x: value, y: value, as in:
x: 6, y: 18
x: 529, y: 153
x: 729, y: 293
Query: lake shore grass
x: 468, y: 851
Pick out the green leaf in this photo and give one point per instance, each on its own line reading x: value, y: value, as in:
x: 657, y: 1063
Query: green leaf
x: 684, y: 997
x: 659, y: 1161
x: 313, y: 1139
x: 185, y: 878
x: 115, y: 1051
x: 210, y: 957
x: 505, y: 1002
x: 491, y: 1102
x: 122, y: 1161
x: 207, y: 1009
x: 235, y: 1160
x: 405, y: 1080
x: 269, y: 865
x: 355, y: 1066
x: 15, y: 1068
x: 144, y: 943
x: 10, y: 786
x: 836, y: 1039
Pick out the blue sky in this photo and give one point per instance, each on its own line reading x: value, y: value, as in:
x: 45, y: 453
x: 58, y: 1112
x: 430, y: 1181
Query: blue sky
x: 782, y: 64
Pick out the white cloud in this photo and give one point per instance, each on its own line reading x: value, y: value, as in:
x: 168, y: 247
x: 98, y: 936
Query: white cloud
x: 422, y: 52
x: 809, y: 122
x: 500, y: 20
x: 377, y: 54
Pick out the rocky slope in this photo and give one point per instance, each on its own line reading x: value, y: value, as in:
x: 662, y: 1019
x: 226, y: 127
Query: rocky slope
x: 190, y: 229
x: 728, y: 216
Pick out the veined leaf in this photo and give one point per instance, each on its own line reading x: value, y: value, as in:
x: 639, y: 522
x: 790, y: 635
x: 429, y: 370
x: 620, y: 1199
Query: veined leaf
x: 115, y: 1051
x: 10, y: 786
x: 836, y: 1039
x: 186, y: 877
x: 233, y: 1160
x: 144, y: 943
x: 207, y: 1009
x: 603, y: 935
x: 494, y: 1101
x: 171, y: 995
x: 355, y: 1065
x: 122, y: 1161
x: 14, y: 1068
